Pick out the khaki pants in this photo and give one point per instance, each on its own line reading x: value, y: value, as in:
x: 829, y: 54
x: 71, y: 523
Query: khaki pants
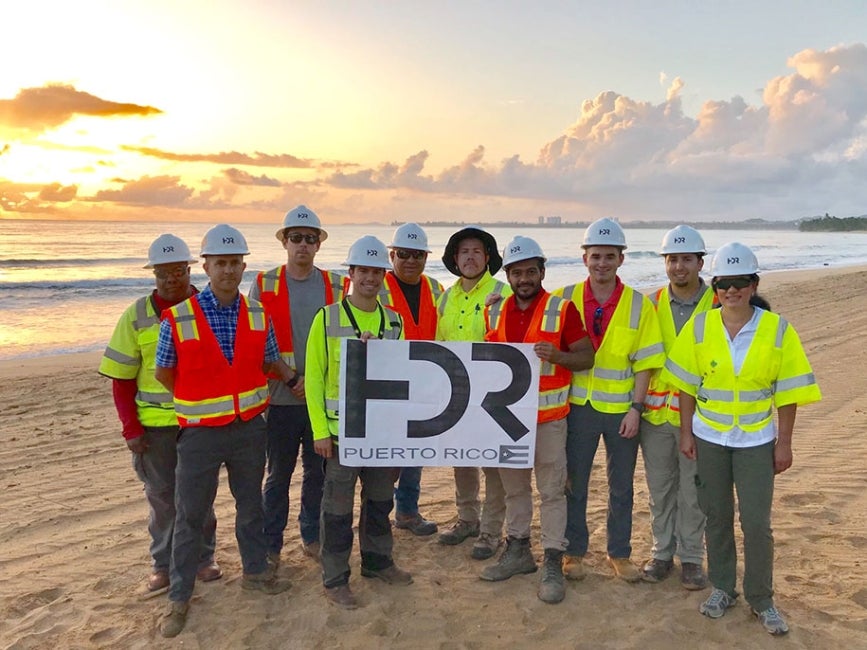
x: 676, y: 521
x: 467, y: 499
x: 550, y: 468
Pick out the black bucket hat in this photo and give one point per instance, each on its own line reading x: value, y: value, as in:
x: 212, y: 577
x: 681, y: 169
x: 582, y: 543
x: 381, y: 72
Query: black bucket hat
x: 495, y: 261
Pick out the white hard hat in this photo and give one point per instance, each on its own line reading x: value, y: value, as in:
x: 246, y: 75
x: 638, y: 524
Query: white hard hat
x: 368, y: 251
x: 223, y: 239
x: 521, y: 248
x: 410, y: 235
x: 734, y: 259
x: 301, y: 217
x: 683, y: 239
x: 604, y: 232
x: 168, y: 249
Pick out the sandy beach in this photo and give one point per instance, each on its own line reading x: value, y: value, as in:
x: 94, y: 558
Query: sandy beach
x: 74, y: 543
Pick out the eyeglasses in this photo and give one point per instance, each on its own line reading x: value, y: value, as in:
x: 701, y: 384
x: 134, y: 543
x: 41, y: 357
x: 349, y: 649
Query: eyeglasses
x: 405, y: 254
x: 296, y: 238
x: 724, y: 284
x: 597, y: 321
x: 176, y: 273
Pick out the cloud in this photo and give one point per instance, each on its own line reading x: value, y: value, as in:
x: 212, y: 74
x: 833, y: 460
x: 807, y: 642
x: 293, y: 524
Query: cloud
x: 258, y: 159
x: 56, y: 192
x: 240, y: 177
x: 40, y: 109
x: 149, y: 191
x: 799, y: 151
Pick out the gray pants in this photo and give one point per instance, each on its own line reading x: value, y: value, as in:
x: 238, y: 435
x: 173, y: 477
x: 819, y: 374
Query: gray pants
x: 750, y: 470
x: 676, y: 521
x: 156, y: 469
x: 374, y: 525
x: 550, y: 469
x: 467, y: 486
x: 201, y: 452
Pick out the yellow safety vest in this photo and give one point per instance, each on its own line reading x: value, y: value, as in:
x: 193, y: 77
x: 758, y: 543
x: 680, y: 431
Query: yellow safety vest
x: 338, y: 326
x: 631, y: 343
x: 775, y: 372
x: 662, y: 399
x: 462, y: 313
x: 131, y: 354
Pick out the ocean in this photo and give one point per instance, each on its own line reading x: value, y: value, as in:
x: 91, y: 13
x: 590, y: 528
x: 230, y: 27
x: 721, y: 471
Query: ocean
x: 63, y: 285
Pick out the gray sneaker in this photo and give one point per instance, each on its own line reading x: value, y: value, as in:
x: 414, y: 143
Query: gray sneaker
x: 460, y: 531
x: 772, y: 621
x: 717, y: 603
x: 485, y: 546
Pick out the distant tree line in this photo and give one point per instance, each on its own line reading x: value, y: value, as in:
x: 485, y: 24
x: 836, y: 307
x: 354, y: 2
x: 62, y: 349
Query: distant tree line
x: 833, y: 224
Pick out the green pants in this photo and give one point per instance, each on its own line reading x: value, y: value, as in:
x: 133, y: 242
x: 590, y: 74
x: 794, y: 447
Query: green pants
x: 749, y: 470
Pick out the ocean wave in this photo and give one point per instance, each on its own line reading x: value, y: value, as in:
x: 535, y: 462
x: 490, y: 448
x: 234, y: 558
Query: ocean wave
x: 32, y: 263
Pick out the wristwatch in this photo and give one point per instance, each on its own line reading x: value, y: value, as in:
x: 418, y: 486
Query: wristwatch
x: 639, y: 406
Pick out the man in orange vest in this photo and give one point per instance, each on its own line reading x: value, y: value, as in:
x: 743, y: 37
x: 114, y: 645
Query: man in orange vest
x: 212, y: 355
x: 414, y: 296
x: 552, y: 324
x: 292, y: 294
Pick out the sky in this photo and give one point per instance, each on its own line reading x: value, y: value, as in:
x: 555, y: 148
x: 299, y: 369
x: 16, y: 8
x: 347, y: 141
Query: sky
x: 474, y: 111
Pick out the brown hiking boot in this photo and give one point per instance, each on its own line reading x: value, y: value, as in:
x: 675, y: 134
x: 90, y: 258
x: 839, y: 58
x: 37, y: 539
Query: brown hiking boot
x: 692, y: 576
x: 573, y: 567
x: 656, y: 570
x: 341, y: 596
x: 391, y: 575
x: 624, y: 569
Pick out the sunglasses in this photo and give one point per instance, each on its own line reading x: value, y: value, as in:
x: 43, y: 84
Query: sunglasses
x: 597, y: 321
x: 177, y: 274
x: 296, y: 238
x: 724, y: 284
x: 405, y: 254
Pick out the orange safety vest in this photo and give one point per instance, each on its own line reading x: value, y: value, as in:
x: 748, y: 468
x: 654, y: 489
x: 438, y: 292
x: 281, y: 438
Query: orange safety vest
x: 547, y: 323
x: 273, y: 293
x: 426, y: 327
x: 209, y: 392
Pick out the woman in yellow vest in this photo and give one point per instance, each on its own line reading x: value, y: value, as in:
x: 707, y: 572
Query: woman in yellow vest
x: 733, y: 366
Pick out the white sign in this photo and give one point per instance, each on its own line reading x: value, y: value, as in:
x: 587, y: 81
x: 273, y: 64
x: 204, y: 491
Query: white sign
x: 423, y: 403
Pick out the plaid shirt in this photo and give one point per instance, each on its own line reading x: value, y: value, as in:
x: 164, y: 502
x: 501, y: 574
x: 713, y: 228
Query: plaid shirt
x: 223, y: 322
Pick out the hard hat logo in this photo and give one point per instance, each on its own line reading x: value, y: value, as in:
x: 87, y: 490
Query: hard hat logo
x: 733, y: 260
x: 412, y: 235
x: 303, y: 215
x: 228, y: 240
x: 680, y: 240
x: 605, y: 231
x: 168, y: 249
x: 515, y: 249
x: 371, y: 252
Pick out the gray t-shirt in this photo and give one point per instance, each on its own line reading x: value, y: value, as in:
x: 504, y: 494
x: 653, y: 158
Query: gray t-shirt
x: 682, y: 310
x: 305, y: 298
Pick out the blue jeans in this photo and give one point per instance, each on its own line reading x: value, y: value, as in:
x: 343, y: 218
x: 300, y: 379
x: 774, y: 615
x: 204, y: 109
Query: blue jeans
x: 201, y: 452
x: 585, y: 426
x: 407, y: 491
x: 288, y: 432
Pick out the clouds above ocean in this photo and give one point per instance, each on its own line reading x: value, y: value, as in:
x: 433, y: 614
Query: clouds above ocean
x: 796, y: 148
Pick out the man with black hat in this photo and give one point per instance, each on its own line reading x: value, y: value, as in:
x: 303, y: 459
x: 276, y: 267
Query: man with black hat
x: 471, y: 253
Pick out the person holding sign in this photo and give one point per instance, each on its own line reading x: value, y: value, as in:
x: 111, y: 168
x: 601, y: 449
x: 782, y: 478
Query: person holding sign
x: 607, y: 401
x: 412, y: 294
x: 360, y: 315
x: 552, y: 324
x: 471, y: 253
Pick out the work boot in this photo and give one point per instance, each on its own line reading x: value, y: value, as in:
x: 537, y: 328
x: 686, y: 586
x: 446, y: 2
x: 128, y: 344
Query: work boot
x: 460, y: 531
x: 552, y: 586
x: 267, y: 582
x: 174, y: 619
x: 516, y: 559
x: 573, y: 567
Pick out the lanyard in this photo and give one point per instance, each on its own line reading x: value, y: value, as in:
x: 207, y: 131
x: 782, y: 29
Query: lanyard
x: 354, y: 323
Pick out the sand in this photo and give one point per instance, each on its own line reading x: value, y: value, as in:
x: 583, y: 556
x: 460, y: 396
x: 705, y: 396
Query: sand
x: 74, y: 543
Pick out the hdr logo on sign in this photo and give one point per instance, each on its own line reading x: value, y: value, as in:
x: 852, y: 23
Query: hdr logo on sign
x: 423, y: 403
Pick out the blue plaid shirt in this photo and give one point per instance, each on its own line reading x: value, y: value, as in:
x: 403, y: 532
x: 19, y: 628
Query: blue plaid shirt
x: 223, y: 322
